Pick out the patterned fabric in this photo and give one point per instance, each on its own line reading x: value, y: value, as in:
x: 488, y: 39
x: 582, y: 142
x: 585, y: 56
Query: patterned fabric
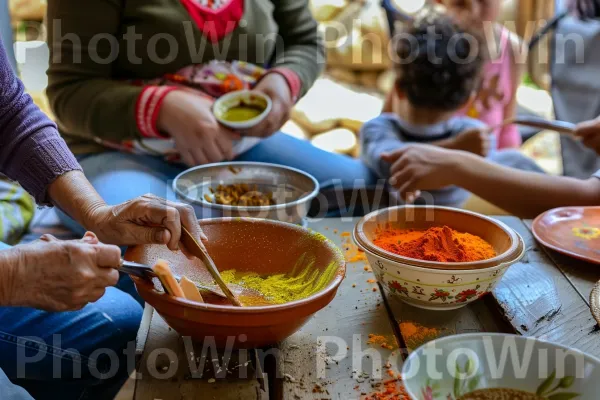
x: 16, y: 211
x: 211, y: 80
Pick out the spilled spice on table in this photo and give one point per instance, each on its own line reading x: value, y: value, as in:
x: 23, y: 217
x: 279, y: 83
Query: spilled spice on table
x: 439, y: 244
x: 393, y: 390
x: 415, y: 335
x: 351, y: 252
x: 384, y: 342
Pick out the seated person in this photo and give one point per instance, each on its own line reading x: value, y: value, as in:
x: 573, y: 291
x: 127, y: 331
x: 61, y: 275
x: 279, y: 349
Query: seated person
x: 525, y: 194
x: 427, y: 96
x: 437, y: 75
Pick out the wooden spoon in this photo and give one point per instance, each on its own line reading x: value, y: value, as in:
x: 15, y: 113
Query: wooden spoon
x: 146, y: 272
x: 200, y: 252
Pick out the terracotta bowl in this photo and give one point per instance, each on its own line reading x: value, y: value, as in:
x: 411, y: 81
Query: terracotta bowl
x: 247, y: 245
x: 436, y: 285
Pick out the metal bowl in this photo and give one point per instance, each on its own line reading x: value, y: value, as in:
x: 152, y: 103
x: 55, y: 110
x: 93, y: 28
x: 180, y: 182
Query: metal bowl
x: 293, y: 190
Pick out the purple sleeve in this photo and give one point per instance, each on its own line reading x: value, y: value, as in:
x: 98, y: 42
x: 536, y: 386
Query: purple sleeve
x: 31, y: 150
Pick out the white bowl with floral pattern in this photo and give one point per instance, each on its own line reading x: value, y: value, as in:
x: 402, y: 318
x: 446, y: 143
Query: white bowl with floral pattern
x: 462, y: 366
x: 435, y: 285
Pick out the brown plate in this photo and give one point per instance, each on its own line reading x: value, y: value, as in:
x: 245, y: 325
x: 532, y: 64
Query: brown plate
x: 573, y: 231
x: 595, y: 302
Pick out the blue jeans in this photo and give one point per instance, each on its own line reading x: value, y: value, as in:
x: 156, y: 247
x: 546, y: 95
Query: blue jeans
x: 68, y: 353
x: 119, y: 177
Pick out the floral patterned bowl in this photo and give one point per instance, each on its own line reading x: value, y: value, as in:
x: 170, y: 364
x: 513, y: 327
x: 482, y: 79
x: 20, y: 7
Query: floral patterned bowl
x: 430, y: 285
x: 455, y: 366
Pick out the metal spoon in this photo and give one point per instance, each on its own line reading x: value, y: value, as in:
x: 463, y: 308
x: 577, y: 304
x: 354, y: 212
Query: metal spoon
x: 146, y: 272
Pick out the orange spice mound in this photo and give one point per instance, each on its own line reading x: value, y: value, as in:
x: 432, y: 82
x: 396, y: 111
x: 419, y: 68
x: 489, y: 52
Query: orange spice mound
x: 440, y: 244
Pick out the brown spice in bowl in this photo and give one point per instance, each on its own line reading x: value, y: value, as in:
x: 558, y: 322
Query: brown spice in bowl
x: 240, y: 194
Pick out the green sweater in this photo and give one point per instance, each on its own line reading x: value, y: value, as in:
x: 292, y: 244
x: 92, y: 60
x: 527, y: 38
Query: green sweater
x: 88, y: 88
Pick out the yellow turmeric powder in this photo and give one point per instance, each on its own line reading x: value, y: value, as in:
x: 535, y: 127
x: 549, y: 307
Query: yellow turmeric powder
x: 302, y: 282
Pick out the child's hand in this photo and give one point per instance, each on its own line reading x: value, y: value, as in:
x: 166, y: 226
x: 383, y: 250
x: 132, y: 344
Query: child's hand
x: 421, y: 167
x: 589, y: 132
x: 476, y: 141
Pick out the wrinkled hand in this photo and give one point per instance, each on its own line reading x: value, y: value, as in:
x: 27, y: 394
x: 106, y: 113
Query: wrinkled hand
x: 148, y: 219
x: 55, y: 275
x: 199, y: 138
x: 476, y: 141
x: 421, y: 167
x: 276, y: 87
x: 589, y: 132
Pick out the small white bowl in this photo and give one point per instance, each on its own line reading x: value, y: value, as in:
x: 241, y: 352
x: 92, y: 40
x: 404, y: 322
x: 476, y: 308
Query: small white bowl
x: 453, y: 366
x: 235, y: 99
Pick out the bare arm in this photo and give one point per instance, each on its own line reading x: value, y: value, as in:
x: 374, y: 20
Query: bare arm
x: 522, y: 193
x: 510, y: 136
x: 525, y: 194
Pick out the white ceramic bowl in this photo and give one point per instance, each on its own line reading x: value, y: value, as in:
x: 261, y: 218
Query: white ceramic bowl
x: 234, y: 99
x: 434, y: 285
x: 450, y: 367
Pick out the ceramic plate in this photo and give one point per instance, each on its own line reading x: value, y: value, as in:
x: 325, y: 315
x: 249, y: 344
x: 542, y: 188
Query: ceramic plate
x: 595, y: 302
x: 573, y: 231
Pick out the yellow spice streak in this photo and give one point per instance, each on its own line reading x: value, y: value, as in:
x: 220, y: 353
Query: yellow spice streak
x: 284, y: 288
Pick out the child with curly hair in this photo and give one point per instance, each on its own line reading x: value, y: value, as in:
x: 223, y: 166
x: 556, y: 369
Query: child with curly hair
x: 438, y: 64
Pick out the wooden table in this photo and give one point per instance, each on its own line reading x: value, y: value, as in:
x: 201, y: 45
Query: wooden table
x: 546, y: 295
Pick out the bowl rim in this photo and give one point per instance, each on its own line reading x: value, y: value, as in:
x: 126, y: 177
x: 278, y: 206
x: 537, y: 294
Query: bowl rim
x: 471, y: 271
x: 364, y: 243
x: 329, y: 289
x: 303, y: 199
x: 250, y: 123
x: 479, y: 336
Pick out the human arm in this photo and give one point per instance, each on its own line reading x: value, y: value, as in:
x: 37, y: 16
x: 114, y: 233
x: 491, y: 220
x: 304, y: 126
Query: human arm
x: 55, y: 275
x: 144, y: 220
x: 509, y: 136
x: 295, y: 69
x: 589, y: 132
x: 377, y: 137
x: 525, y: 194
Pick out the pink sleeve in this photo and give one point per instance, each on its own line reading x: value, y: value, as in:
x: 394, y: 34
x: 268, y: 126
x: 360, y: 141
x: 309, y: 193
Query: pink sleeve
x: 509, y: 138
x: 293, y: 81
x: 147, y: 108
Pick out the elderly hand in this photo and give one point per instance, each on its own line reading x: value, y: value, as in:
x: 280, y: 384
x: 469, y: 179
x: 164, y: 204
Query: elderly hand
x: 421, y: 167
x: 589, y: 132
x: 276, y: 87
x: 148, y: 219
x: 55, y: 275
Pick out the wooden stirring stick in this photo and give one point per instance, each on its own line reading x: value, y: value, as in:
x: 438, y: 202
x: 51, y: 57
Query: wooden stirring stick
x: 200, y: 252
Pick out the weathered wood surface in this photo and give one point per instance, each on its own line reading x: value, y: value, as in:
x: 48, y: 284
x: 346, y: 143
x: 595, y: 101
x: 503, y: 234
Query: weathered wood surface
x: 535, y: 298
x: 342, y: 329
x: 540, y: 301
x: 162, y: 377
x: 582, y: 275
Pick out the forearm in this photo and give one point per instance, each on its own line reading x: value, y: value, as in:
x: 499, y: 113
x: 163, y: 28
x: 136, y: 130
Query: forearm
x: 75, y: 196
x: 304, y: 52
x: 9, y: 260
x: 525, y: 194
